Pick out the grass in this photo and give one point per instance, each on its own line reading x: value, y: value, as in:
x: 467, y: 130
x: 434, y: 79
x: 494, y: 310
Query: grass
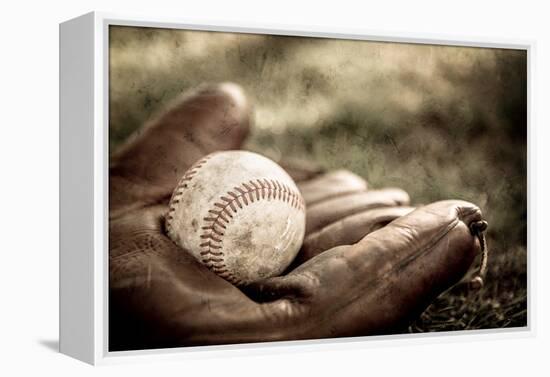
x: 440, y: 122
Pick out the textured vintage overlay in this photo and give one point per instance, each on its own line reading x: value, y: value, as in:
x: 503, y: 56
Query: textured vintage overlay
x: 438, y: 121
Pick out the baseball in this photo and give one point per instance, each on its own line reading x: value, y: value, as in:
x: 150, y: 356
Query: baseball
x: 238, y: 213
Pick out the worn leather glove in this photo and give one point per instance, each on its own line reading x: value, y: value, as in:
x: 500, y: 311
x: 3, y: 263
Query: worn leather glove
x: 369, y: 263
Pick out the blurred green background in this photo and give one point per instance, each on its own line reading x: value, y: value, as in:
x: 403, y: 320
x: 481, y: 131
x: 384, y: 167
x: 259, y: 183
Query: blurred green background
x: 441, y: 122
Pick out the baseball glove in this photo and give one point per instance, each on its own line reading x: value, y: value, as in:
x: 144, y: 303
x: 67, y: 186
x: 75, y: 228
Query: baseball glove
x: 370, y: 263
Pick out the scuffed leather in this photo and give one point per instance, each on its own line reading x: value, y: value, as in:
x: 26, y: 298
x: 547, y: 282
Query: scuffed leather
x: 161, y: 297
x: 349, y: 230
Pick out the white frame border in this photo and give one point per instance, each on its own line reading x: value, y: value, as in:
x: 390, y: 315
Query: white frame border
x: 102, y: 21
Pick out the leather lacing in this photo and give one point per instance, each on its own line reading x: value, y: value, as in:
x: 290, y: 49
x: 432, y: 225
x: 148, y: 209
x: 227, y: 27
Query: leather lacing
x: 477, y: 229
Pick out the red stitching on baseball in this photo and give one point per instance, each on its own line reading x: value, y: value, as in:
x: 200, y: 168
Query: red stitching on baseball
x: 203, y: 253
x: 223, y: 210
x: 182, y: 185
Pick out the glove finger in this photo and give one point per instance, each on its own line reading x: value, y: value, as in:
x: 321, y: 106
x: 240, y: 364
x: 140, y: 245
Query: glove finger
x: 331, y: 185
x: 348, y: 230
x: 149, y: 165
x: 301, y: 171
x: 334, y: 209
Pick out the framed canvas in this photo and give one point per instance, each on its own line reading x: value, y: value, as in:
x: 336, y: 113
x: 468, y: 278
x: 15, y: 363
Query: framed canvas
x: 260, y: 188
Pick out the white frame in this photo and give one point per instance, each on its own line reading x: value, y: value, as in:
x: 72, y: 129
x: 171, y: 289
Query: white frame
x: 84, y: 180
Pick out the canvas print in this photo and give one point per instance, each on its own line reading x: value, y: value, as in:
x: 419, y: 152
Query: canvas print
x: 271, y: 188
